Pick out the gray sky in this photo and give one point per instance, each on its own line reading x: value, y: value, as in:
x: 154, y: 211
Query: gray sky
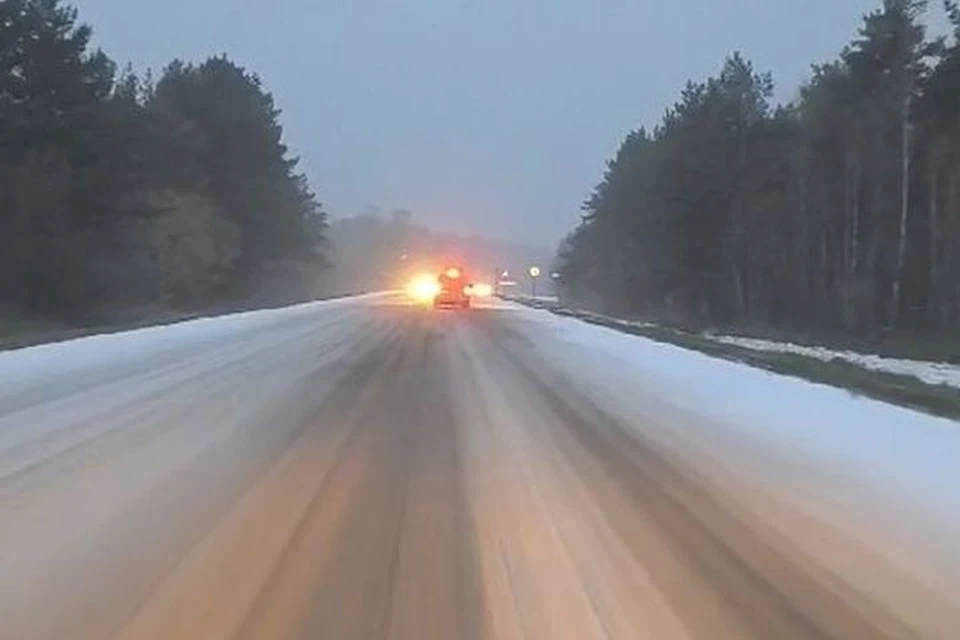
x: 493, y: 116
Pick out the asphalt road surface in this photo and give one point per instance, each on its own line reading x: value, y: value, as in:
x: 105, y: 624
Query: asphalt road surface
x: 376, y: 470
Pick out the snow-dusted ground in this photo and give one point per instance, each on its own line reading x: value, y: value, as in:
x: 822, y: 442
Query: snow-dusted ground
x: 885, y: 476
x: 79, y: 359
x: 937, y: 373
x: 858, y: 485
x: 897, y: 449
x: 730, y: 410
x: 930, y: 372
x: 529, y: 298
x: 805, y: 423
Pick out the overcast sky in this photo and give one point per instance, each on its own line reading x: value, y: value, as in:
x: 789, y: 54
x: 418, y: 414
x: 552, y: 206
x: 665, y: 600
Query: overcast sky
x: 493, y: 116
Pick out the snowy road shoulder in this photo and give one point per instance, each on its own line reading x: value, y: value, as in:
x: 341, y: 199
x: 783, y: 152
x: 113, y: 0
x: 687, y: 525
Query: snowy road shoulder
x: 876, y: 480
x: 907, y: 456
x: 927, y: 386
x: 88, y: 360
x: 938, y: 373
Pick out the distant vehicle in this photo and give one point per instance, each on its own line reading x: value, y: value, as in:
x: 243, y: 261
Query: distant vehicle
x: 454, y: 289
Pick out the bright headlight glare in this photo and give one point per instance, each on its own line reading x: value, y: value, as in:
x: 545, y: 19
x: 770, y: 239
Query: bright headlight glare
x: 423, y: 287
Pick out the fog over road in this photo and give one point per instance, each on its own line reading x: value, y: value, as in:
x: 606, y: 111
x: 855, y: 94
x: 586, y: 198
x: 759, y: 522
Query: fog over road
x: 369, y: 469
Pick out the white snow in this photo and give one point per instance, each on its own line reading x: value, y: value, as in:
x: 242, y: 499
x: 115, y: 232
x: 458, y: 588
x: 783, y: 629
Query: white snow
x: 937, y: 373
x: 81, y: 361
x: 870, y: 479
x: 940, y: 373
x: 56, y: 396
x: 832, y: 444
x: 530, y: 298
x: 852, y: 459
x: 814, y: 439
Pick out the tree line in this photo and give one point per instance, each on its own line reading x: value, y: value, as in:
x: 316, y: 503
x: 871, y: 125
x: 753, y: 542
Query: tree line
x: 122, y: 192
x: 837, y: 212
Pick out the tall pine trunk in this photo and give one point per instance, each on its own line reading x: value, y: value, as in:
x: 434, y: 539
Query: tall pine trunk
x: 904, y: 211
x: 855, y: 211
x: 932, y: 292
x: 949, y: 302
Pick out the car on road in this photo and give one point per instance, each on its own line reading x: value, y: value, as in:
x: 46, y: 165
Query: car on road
x: 453, y: 290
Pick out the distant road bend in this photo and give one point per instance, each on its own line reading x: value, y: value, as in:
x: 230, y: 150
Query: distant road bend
x: 364, y: 468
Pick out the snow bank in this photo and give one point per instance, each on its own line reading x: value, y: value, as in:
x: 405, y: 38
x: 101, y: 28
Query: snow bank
x: 940, y: 373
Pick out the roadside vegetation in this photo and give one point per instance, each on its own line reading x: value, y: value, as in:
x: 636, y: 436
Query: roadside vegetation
x: 129, y: 197
x: 835, y: 217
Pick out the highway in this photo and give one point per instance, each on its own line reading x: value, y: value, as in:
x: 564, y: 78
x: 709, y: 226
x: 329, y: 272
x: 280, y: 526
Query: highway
x: 370, y: 469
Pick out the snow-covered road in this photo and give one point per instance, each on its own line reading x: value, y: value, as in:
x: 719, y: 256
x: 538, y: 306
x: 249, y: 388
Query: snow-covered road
x: 365, y: 468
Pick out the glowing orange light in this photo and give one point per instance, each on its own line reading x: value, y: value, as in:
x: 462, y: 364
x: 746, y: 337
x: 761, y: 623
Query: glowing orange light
x: 423, y: 287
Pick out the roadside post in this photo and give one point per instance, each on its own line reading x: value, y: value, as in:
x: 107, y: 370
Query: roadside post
x: 534, y: 274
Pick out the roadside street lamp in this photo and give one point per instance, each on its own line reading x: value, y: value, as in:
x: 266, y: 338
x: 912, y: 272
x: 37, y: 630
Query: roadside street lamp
x: 534, y: 274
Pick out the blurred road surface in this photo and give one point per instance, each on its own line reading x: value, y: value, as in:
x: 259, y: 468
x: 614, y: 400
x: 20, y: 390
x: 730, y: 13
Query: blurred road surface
x: 376, y: 470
